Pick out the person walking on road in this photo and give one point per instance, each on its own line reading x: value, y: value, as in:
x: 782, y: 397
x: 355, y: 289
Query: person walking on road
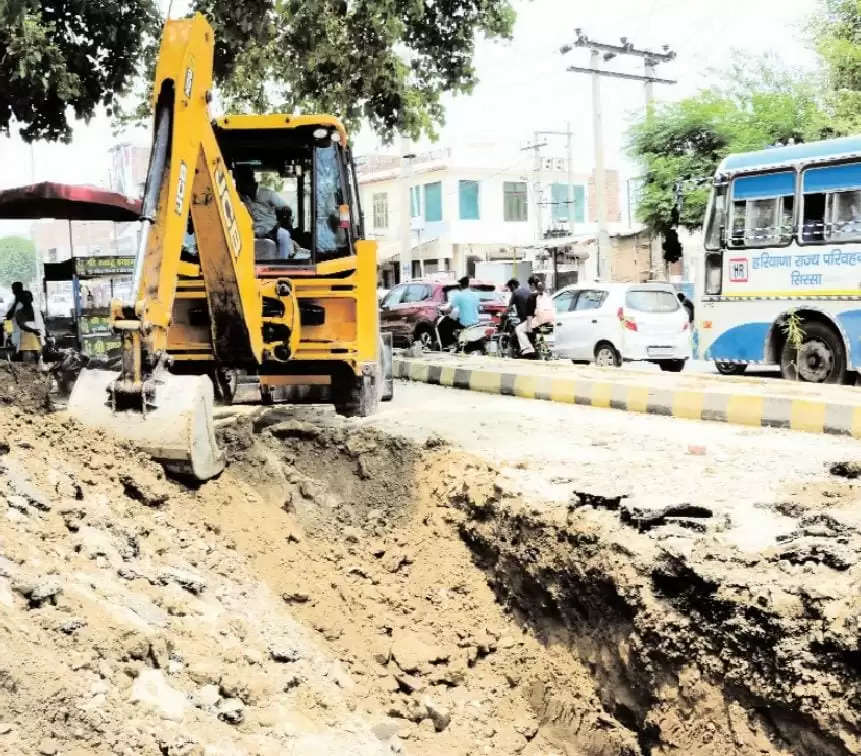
x: 524, y: 304
x: 28, y: 331
x: 688, y: 305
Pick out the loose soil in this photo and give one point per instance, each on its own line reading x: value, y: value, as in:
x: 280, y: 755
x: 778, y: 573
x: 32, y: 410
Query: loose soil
x: 343, y: 590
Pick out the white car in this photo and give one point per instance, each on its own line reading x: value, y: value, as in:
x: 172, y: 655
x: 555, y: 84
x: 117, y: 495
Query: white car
x: 615, y: 322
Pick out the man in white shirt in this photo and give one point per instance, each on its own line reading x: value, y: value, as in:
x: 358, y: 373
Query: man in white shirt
x: 264, y: 206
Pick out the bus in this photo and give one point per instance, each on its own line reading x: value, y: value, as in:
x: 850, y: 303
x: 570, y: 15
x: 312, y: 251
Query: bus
x: 782, y: 267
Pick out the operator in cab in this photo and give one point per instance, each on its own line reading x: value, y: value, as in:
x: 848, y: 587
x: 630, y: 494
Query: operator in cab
x: 267, y: 209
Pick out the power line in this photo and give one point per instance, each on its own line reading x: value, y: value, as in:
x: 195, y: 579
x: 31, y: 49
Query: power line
x: 607, y: 51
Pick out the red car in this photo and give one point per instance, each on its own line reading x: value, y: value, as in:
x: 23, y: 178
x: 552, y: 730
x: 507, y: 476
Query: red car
x: 410, y: 310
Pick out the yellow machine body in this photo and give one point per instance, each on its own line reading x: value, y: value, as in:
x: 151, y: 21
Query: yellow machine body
x: 227, y: 310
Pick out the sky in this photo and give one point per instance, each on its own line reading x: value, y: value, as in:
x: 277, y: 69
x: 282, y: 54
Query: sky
x: 523, y: 85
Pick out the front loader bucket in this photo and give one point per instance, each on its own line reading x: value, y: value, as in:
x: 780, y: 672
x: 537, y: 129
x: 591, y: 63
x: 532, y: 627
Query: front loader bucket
x: 178, y: 431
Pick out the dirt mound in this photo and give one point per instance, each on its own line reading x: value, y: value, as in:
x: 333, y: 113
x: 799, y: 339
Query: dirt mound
x: 342, y: 590
x: 24, y: 386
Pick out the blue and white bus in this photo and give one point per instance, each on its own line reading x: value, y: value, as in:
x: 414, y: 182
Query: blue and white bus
x: 783, y: 236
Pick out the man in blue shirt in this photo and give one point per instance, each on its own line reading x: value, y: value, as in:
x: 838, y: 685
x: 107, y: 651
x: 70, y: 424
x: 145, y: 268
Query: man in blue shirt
x: 463, y: 307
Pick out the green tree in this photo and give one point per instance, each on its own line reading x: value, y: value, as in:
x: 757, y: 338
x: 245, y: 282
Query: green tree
x: 680, y: 144
x: 17, y: 260
x: 836, y: 32
x: 384, y: 62
x: 66, y: 54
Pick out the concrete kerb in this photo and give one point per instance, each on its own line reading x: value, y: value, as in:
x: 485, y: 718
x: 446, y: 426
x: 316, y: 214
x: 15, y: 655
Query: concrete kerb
x: 718, y: 404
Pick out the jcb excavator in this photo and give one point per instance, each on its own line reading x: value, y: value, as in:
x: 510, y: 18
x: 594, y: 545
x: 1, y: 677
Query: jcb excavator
x: 214, y: 306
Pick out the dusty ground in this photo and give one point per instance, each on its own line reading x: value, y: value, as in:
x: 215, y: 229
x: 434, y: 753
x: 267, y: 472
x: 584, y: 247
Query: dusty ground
x: 360, y: 588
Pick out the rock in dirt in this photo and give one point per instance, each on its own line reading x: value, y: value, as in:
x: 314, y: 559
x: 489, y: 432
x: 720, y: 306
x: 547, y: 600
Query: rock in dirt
x: 412, y: 652
x: 284, y: 654
x: 39, y: 591
x: 231, y: 710
x: 846, y: 469
x: 151, y: 691
x: 439, y: 715
x: 150, y: 493
x: 192, y: 583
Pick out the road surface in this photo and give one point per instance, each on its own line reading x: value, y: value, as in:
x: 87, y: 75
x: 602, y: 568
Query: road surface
x: 552, y: 449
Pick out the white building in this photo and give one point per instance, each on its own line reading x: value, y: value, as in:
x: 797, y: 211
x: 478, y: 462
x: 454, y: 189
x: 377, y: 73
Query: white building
x: 475, y: 203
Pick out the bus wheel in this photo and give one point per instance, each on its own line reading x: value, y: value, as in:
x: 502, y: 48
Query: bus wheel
x: 730, y: 368
x: 820, y: 359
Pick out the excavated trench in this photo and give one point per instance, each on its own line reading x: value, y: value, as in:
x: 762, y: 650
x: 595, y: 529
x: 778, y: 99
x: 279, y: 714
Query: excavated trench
x: 612, y: 640
x: 342, y: 590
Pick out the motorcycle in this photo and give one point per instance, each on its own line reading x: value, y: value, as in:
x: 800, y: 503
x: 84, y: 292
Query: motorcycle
x: 507, y: 344
x: 467, y: 340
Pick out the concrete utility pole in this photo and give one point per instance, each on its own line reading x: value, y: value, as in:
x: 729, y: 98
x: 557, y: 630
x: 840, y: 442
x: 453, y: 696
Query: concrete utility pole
x: 536, y: 187
x: 650, y: 60
x: 405, y: 258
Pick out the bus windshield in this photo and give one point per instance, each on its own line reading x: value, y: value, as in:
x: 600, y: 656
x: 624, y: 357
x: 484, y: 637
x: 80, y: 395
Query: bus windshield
x: 716, y: 217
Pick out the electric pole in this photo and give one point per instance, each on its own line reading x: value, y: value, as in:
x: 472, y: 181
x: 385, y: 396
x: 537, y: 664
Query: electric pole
x: 537, y: 189
x: 608, y: 52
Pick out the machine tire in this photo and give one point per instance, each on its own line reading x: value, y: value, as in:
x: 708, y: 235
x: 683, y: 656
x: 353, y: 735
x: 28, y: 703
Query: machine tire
x: 672, y: 366
x: 606, y: 355
x: 358, y: 396
x: 729, y: 368
x: 822, y: 355
x: 387, y: 388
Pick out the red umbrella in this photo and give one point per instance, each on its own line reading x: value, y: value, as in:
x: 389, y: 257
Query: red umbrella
x: 67, y: 201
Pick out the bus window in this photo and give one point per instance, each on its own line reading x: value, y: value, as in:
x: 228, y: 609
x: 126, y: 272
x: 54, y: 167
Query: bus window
x: 832, y: 203
x: 762, y: 209
x: 716, y: 218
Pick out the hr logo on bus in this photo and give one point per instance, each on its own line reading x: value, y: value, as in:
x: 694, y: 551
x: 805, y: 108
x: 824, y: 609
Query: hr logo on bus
x: 738, y: 269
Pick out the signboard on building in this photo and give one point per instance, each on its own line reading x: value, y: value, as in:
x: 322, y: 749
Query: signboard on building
x: 92, y: 267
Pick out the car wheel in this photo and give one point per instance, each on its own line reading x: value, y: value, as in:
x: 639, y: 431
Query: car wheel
x: 730, y: 368
x: 425, y: 336
x: 672, y: 366
x: 607, y: 356
x: 820, y: 358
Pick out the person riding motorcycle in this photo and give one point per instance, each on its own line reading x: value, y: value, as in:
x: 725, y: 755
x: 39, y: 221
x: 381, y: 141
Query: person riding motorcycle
x: 461, y: 311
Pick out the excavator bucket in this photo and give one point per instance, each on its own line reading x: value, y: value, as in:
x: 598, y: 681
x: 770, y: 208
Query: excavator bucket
x: 178, y: 431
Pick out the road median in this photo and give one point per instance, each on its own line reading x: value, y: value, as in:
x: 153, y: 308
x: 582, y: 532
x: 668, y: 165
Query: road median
x: 741, y: 401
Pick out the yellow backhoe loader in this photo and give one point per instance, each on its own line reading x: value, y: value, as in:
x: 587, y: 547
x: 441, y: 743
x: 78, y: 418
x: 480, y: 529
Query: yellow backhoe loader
x: 220, y: 299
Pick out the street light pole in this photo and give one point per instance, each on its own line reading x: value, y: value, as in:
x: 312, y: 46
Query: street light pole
x: 405, y: 256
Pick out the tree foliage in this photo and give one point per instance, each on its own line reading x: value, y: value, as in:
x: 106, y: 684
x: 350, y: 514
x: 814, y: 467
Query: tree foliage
x: 680, y: 144
x: 61, y: 54
x: 17, y: 260
x: 836, y: 32
x: 383, y: 62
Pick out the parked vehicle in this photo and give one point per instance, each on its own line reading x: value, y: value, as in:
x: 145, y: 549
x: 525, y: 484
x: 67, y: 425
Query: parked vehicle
x: 610, y: 323
x: 410, y: 310
x: 783, y: 244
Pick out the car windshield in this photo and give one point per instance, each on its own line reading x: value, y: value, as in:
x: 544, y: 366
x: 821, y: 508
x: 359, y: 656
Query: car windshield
x: 651, y: 301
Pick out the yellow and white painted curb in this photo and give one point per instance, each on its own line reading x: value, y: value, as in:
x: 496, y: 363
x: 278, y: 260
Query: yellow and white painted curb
x: 726, y: 406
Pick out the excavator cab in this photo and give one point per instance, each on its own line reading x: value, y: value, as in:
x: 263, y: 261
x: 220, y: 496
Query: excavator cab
x: 252, y: 271
x: 309, y: 169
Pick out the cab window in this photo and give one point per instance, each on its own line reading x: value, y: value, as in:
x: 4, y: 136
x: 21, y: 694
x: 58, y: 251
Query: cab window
x: 332, y: 238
